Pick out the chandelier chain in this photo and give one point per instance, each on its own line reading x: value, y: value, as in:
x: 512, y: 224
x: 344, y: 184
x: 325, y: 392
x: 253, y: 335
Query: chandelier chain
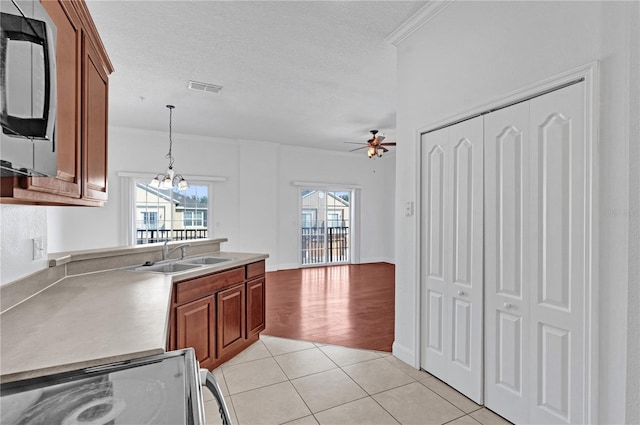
x: 169, y: 155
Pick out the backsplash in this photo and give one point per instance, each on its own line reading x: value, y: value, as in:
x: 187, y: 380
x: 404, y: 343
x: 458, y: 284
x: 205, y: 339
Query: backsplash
x: 19, y: 224
x: 65, y: 264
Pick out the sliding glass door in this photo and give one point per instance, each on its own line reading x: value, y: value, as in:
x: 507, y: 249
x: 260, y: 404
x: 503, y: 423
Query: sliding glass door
x: 325, y: 226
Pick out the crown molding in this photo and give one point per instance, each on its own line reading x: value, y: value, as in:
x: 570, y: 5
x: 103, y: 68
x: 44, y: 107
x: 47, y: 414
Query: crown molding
x: 417, y: 20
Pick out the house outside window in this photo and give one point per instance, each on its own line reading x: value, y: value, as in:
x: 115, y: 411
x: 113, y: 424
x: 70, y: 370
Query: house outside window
x: 195, y: 219
x: 148, y: 220
x: 307, y: 219
x: 334, y: 219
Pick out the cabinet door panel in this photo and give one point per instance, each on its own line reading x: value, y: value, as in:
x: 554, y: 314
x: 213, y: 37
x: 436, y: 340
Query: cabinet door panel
x: 231, y: 318
x: 196, y: 327
x: 94, y: 110
x: 68, y: 39
x: 255, y: 307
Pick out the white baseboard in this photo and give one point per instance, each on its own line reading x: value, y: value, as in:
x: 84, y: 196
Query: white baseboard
x: 275, y: 268
x: 377, y: 260
x: 405, y: 354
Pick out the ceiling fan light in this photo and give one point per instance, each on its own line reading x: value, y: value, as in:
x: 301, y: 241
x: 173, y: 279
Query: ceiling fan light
x: 380, y: 152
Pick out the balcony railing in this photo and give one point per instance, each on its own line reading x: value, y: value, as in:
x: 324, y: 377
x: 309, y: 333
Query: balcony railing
x: 145, y: 236
x: 314, y: 247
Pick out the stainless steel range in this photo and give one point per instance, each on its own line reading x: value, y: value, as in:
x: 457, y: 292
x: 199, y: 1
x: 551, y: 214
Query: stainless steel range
x: 162, y: 389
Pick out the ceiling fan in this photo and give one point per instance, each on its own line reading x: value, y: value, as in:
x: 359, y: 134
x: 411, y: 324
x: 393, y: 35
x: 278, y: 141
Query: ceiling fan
x: 374, y: 146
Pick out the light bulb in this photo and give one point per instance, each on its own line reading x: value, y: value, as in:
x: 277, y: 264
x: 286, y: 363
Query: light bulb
x: 167, y: 183
x: 183, y: 185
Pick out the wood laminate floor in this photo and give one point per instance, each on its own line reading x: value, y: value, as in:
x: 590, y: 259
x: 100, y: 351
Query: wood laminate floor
x: 348, y: 305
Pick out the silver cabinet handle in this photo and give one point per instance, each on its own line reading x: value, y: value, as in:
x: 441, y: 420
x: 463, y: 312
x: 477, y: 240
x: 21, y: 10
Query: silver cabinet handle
x: 461, y: 293
x: 508, y: 305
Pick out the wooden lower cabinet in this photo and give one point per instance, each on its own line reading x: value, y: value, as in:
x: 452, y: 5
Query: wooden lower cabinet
x: 220, y: 314
x: 196, y: 327
x: 231, y: 318
x: 255, y: 307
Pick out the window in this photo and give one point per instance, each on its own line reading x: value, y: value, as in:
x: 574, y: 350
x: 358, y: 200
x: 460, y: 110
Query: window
x: 148, y: 220
x: 307, y: 219
x: 333, y: 219
x: 168, y: 215
x: 195, y: 219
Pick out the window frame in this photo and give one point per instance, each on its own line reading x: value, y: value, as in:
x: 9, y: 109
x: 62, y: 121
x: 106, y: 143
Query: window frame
x: 128, y: 213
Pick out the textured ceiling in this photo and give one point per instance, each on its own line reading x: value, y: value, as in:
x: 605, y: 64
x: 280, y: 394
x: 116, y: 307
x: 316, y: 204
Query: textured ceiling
x: 306, y: 73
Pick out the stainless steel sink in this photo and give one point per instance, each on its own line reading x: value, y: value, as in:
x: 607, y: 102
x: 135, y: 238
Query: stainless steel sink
x: 176, y: 266
x: 204, y: 260
x: 166, y: 268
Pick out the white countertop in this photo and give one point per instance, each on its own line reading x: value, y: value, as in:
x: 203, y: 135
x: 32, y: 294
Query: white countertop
x: 93, y: 319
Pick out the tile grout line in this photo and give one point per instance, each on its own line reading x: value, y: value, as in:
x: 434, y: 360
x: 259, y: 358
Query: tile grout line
x: 341, y: 368
x: 447, y: 400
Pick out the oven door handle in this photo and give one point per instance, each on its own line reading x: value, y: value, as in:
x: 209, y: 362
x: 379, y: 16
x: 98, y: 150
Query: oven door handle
x: 208, y: 380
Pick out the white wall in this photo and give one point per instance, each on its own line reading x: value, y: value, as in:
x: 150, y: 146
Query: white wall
x: 18, y: 226
x: 474, y: 52
x: 256, y: 208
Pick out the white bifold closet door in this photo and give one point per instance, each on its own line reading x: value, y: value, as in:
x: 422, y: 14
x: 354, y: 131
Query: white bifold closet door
x: 452, y: 291
x: 535, y: 258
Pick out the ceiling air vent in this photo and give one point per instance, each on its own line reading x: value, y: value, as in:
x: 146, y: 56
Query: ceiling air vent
x: 209, y: 88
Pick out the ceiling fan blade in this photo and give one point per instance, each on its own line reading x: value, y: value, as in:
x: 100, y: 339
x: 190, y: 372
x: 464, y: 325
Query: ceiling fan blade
x: 355, y: 143
x: 384, y: 149
x: 388, y: 144
x: 357, y: 149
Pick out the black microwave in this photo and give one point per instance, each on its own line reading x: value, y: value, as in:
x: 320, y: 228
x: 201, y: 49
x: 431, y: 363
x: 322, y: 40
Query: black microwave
x: 28, y: 98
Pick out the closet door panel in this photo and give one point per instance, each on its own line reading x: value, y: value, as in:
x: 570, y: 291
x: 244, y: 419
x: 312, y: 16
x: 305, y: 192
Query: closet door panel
x: 559, y: 254
x: 452, y: 288
x: 436, y: 324
x: 465, y: 289
x: 506, y: 180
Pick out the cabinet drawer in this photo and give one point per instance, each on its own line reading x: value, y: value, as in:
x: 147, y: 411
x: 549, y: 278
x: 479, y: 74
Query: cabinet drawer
x: 207, y: 285
x: 255, y: 269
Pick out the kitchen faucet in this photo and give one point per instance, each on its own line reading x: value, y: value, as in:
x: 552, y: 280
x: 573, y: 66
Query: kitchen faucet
x: 166, y: 252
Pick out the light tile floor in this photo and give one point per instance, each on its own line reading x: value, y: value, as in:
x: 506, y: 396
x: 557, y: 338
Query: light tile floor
x: 284, y: 381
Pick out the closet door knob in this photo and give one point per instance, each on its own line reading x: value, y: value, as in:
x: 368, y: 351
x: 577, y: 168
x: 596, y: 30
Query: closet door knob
x: 508, y: 305
x: 461, y: 293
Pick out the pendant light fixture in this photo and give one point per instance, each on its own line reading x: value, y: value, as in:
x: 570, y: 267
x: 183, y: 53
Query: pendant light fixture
x: 170, y: 179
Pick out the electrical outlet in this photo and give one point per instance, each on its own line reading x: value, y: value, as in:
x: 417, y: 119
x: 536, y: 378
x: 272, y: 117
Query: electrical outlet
x: 38, y: 248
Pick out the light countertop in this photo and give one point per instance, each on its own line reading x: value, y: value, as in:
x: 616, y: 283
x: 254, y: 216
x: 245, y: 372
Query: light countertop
x: 93, y: 319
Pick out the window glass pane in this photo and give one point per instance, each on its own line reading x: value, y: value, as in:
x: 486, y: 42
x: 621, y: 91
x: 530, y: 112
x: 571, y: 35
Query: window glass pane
x: 166, y: 215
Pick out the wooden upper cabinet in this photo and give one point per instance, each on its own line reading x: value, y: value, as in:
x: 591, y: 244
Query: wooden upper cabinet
x: 83, y: 69
x: 95, y: 86
x: 68, y: 65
